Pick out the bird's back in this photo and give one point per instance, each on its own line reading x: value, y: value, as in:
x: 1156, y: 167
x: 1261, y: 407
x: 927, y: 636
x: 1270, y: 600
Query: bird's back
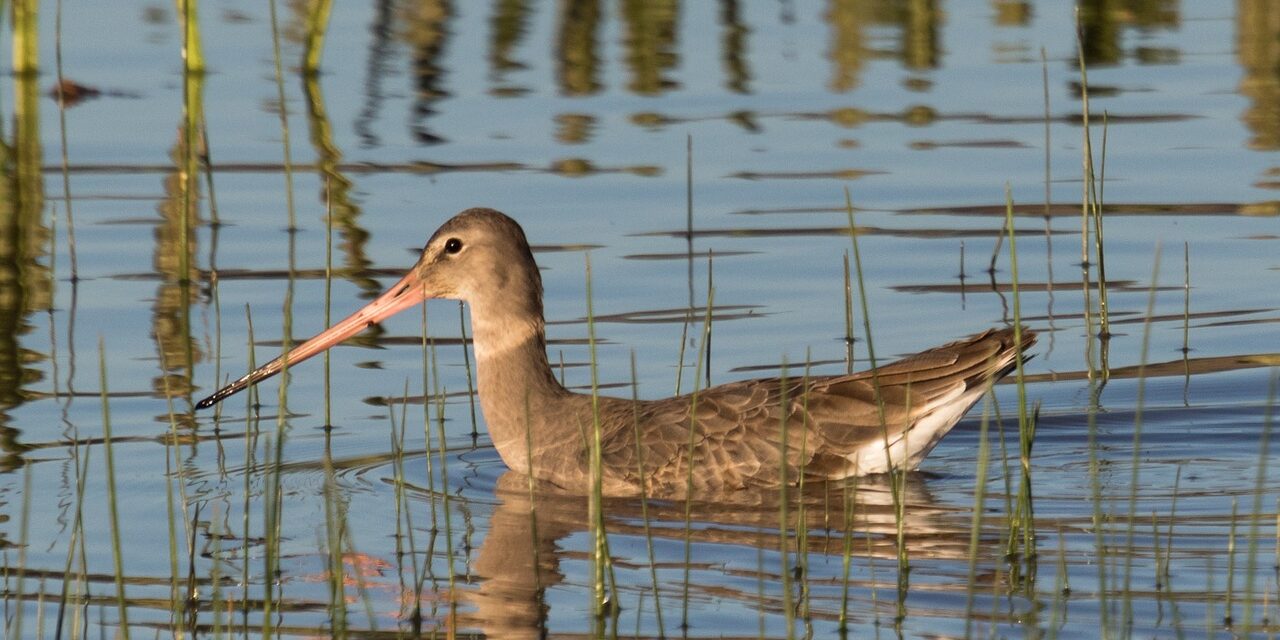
x: 770, y: 432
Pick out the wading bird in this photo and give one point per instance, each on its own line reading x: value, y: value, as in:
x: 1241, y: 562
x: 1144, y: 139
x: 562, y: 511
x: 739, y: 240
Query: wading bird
x: 750, y: 434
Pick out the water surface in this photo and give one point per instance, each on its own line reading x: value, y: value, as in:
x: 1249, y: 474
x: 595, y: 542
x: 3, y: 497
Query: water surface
x: 678, y: 145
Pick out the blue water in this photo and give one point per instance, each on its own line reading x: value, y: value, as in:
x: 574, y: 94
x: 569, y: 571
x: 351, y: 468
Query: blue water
x: 921, y: 117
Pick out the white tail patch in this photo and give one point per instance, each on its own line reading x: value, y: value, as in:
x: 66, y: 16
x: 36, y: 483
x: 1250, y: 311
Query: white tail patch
x: 907, y: 449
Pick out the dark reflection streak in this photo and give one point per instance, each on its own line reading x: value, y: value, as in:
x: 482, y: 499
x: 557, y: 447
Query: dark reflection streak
x: 734, y: 47
x: 1048, y: 201
x: 379, y: 57
x: 577, y: 62
x: 1099, y: 33
x: 1102, y: 23
x: 1257, y: 38
x: 829, y: 231
x: 71, y: 358
x: 66, y: 491
x: 688, y: 203
x: 336, y: 190
x: 1186, y: 323
x: 25, y: 284
x: 847, y: 50
x: 1004, y: 302
x: 650, y: 41
x: 210, y: 288
x: 173, y: 259
x: 920, y: 48
x: 428, y: 33
x: 508, y: 26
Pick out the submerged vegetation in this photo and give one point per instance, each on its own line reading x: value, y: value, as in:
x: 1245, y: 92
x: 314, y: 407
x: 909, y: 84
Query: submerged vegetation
x: 1092, y: 515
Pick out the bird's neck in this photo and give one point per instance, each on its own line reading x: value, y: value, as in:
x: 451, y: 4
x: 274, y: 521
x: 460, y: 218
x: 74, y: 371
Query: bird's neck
x: 518, y: 391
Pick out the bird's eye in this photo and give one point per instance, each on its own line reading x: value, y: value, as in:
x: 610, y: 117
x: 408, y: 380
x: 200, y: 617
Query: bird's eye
x: 452, y: 245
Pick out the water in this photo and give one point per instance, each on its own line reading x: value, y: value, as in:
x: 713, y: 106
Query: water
x: 577, y: 118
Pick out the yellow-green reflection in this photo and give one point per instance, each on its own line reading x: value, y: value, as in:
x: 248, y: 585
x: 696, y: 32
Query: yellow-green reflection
x: 734, y: 50
x: 175, y: 249
x: 1258, y: 28
x: 425, y: 27
x: 1102, y: 24
x: 336, y: 189
x: 650, y: 41
x: 507, y: 26
x: 919, y: 23
x: 25, y: 284
x: 1012, y: 13
x: 577, y: 64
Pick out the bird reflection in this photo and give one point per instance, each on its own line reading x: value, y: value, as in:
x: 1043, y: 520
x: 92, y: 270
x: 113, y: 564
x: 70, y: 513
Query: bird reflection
x: 529, y: 531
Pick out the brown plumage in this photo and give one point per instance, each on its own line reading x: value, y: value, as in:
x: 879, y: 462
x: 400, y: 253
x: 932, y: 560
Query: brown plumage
x: 832, y: 425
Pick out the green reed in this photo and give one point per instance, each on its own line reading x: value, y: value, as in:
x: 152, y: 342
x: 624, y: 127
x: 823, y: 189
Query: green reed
x: 784, y: 520
x: 897, y: 477
x: 1227, y: 618
x: 644, y: 496
x: 1162, y: 571
x: 1089, y: 206
x: 1061, y: 589
x: 1136, y: 461
x: 443, y: 450
x: 328, y: 312
x: 15, y: 622
x: 688, y: 318
x: 688, y: 486
x: 404, y: 520
x: 979, y: 504
x: 334, y: 522
x: 217, y: 606
x: 431, y: 392
x: 1186, y: 318
x: 848, y: 317
x: 1091, y: 212
x: 802, y: 527
x: 533, y: 503
x: 282, y: 108
x: 1022, y: 523
x: 273, y: 500
x: 117, y: 557
x: 466, y: 365
x: 251, y: 425
x: 76, y: 542
x: 1260, y: 482
x: 600, y: 554
x: 66, y: 163
x: 849, y: 488
x: 684, y: 338
x: 173, y: 464
x: 192, y: 49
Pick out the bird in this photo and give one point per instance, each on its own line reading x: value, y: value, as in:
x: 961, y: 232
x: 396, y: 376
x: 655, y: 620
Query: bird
x: 762, y: 434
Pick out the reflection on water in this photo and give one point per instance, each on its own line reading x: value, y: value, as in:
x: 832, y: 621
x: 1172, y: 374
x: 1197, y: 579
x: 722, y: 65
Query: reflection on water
x: 577, y: 62
x: 1258, y: 24
x: 26, y: 284
x: 522, y: 555
x: 426, y: 30
x: 174, y: 261
x: 1102, y: 23
x: 924, y: 110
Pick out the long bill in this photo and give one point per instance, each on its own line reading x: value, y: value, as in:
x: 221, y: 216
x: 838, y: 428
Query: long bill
x: 404, y: 294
